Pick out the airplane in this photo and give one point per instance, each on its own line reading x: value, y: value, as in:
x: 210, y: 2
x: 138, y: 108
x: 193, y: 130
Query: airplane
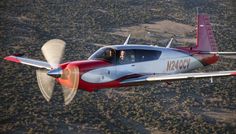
x: 126, y: 64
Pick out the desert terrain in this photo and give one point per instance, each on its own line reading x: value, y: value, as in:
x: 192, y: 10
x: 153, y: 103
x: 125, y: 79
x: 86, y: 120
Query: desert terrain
x: 190, y: 106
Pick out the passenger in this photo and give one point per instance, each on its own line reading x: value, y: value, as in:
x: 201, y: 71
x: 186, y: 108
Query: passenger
x: 123, y: 58
x: 122, y: 55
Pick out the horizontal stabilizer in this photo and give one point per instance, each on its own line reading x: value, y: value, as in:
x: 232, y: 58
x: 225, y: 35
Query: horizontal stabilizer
x: 220, y: 53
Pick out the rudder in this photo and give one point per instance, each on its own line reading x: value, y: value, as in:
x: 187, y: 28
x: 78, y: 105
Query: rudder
x: 205, y: 36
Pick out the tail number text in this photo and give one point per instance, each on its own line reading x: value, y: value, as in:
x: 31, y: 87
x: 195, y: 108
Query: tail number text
x: 174, y: 65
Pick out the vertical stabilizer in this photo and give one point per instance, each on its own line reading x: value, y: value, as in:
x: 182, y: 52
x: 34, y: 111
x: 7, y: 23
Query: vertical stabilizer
x: 205, y: 37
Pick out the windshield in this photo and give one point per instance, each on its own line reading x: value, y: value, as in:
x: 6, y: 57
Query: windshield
x: 107, y: 54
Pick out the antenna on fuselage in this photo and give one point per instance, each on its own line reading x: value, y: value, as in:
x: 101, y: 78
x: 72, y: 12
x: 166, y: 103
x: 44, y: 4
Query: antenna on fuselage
x: 169, y: 44
x: 127, y: 40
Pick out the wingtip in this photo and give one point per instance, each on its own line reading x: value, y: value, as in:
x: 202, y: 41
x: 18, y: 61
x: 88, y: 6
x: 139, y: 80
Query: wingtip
x: 233, y: 74
x: 12, y: 58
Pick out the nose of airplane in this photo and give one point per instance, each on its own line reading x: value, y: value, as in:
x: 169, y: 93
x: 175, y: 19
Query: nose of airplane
x: 56, y: 73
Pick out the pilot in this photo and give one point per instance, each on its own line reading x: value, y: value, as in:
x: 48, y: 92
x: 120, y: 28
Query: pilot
x: 109, y: 55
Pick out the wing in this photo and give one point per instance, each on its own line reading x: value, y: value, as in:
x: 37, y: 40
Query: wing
x: 27, y: 61
x: 171, y: 77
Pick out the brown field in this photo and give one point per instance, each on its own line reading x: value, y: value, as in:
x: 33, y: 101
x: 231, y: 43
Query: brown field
x: 191, y: 106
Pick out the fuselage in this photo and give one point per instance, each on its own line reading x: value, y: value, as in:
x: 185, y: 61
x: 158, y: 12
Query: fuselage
x: 108, y: 66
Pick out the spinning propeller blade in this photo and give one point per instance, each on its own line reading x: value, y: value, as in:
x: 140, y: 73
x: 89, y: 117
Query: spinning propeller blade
x: 70, y: 83
x: 53, y: 50
x: 46, y: 83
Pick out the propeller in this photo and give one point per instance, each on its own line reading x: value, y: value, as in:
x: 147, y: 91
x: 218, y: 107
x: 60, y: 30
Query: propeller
x: 53, y: 51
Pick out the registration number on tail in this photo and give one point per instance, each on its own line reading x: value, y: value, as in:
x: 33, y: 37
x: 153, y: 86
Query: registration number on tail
x: 175, y: 65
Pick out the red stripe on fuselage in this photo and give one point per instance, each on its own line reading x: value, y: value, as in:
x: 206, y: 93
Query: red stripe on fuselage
x: 96, y: 86
x: 205, y: 59
x: 209, y: 59
x: 129, y: 76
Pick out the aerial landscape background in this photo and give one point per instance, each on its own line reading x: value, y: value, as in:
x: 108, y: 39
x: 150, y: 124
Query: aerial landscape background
x: 190, y: 106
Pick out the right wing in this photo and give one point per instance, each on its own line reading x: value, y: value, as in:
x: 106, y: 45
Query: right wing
x: 27, y: 61
x: 181, y: 76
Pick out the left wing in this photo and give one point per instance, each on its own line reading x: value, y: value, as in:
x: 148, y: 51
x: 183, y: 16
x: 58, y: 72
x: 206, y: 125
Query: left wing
x: 182, y: 76
x: 27, y: 61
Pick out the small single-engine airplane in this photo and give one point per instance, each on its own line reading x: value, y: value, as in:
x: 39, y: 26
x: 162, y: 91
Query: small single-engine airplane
x: 125, y: 65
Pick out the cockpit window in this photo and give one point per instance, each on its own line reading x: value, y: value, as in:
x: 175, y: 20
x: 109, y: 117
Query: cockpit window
x: 107, y: 54
x: 146, y: 55
x: 136, y: 55
x: 125, y: 56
